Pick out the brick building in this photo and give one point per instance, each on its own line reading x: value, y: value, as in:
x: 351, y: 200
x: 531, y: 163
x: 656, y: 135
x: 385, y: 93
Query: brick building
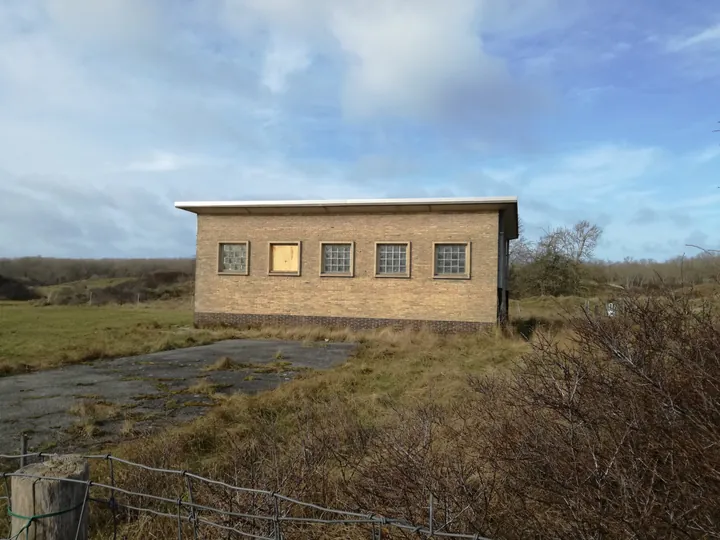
x: 439, y: 263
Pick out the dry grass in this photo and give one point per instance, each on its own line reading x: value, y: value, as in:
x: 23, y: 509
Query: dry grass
x: 551, y: 308
x: 558, y: 308
x: 245, y: 438
x: 97, y: 411
x: 92, y: 415
x: 203, y: 386
x: 128, y: 427
x: 224, y: 363
x: 587, y: 424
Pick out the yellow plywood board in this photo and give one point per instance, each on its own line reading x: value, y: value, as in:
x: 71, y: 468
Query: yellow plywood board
x: 284, y: 258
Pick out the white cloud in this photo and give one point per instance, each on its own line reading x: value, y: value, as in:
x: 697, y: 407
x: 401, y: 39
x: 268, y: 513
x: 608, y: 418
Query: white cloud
x: 596, y: 171
x: 282, y: 60
x: 616, y: 185
x: 130, y: 22
x: 632, y: 161
x: 408, y: 60
x: 709, y: 37
x: 112, y: 104
x: 33, y: 67
x: 162, y: 161
x: 417, y: 58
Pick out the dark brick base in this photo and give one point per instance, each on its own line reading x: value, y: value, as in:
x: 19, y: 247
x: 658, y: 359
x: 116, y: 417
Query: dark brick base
x: 354, y: 323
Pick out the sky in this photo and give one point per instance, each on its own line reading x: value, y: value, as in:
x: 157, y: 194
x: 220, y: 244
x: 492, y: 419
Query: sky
x: 112, y: 110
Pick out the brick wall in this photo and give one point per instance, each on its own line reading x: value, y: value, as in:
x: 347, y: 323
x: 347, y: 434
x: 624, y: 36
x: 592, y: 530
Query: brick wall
x: 418, y: 298
x: 354, y: 323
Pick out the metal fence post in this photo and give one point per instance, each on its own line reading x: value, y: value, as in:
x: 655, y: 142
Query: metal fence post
x: 276, y: 506
x: 431, y: 527
x: 23, y: 449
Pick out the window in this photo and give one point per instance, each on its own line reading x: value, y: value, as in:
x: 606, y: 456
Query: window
x: 233, y: 258
x: 284, y: 258
x: 452, y: 260
x: 336, y: 259
x: 391, y: 259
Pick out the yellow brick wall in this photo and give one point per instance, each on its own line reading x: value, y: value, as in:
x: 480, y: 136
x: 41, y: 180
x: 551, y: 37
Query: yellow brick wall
x: 420, y: 297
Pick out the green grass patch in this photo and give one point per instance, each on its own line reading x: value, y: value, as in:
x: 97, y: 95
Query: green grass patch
x: 33, y: 338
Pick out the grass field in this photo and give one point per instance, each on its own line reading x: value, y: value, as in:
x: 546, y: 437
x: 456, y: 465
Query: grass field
x: 34, y: 337
x: 40, y: 337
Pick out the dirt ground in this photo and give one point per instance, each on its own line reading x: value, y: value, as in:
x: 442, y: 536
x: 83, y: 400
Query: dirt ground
x: 83, y: 407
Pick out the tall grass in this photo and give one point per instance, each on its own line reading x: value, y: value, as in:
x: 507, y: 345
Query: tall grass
x: 300, y: 438
x: 611, y: 429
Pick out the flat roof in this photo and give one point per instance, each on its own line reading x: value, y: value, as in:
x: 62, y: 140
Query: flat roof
x: 446, y: 204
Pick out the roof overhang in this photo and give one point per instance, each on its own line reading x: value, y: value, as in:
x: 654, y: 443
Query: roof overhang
x: 358, y: 206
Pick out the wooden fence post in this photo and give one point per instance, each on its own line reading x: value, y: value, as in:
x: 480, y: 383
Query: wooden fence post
x: 51, y: 509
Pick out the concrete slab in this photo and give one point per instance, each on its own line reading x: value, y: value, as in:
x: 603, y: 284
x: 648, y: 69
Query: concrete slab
x: 150, y: 390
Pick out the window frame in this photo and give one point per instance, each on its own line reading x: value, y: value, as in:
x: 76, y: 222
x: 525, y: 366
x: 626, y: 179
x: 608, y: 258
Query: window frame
x: 297, y: 243
x: 408, y: 259
x: 468, y: 253
x: 220, y: 245
x: 351, y: 273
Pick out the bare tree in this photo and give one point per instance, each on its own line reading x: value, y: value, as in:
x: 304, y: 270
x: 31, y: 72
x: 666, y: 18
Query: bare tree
x: 552, y: 241
x: 579, y: 242
x: 522, y: 250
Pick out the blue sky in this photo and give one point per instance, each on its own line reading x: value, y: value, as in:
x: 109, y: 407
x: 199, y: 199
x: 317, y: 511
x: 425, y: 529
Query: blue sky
x: 112, y: 110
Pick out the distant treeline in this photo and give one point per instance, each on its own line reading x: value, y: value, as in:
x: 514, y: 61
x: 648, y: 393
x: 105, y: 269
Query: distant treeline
x: 546, y: 268
x: 559, y: 276
x: 37, y: 271
x: 562, y: 262
x: 679, y: 271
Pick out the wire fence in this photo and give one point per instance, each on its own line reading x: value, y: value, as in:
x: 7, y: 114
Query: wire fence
x: 204, y: 508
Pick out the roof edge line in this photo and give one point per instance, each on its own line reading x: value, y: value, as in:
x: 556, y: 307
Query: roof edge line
x: 347, y: 202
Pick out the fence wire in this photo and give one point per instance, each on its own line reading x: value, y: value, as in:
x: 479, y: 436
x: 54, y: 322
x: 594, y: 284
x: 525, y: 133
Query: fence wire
x: 271, y: 515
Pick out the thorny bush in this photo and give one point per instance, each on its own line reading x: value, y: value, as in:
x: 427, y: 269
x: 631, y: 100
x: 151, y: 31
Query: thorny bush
x: 615, y: 436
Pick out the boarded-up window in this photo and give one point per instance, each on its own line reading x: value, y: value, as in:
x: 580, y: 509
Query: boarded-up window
x: 285, y: 258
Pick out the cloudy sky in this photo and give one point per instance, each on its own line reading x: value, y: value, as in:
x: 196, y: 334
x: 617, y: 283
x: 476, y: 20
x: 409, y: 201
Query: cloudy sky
x: 111, y: 110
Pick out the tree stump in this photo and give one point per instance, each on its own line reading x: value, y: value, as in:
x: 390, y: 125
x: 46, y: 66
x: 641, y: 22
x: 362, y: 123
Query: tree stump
x: 45, y: 509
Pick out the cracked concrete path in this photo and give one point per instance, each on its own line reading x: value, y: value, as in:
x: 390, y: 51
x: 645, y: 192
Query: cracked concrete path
x: 83, y: 406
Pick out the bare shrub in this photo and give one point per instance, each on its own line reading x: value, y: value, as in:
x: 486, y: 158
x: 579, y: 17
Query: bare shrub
x: 608, y: 430
x: 13, y: 289
x: 617, y: 435
x: 620, y: 432
x: 614, y: 436
x: 52, y: 271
